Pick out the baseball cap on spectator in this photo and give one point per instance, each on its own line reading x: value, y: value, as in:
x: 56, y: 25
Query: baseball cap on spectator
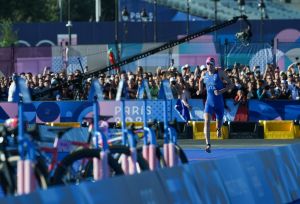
x: 210, y: 60
x: 283, y: 82
x: 282, y: 73
x: 172, y: 79
x: 256, y: 70
x: 203, y: 67
x: 131, y: 77
x: 54, y: 82
x: 186, y: 66
x: 58, y: 97
x: 228, y: 69
x: 186, y: 78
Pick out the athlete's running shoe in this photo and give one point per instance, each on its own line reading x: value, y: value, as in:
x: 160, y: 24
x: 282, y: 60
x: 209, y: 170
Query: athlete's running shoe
x: 219, y: 133
x: 207, y: 149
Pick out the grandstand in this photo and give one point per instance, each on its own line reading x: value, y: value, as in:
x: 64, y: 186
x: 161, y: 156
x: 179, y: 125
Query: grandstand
x: 228, y: 8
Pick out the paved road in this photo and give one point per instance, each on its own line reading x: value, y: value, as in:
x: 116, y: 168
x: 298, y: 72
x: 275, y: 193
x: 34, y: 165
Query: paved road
x: 236, y: 143
x: 228, y: 148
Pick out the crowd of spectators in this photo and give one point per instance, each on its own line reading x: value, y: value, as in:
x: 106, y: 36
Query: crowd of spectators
x: 249, y: 83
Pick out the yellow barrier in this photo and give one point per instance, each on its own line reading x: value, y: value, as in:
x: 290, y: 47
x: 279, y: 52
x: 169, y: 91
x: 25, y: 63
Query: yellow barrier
x: 198, y: 133
x: 137, y: 125
x: 297, y: 131
x: 65, y: 124
x: 278, y: 129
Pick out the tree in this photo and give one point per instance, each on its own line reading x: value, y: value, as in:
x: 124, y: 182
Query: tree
x: 28, y: 10
x: 7, y: 35
x: 36, y: 11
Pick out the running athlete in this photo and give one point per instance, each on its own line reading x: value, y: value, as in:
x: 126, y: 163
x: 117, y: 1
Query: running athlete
x: 213, y: 80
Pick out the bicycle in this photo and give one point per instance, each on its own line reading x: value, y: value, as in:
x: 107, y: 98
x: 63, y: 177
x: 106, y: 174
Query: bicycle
x: 61, y: 175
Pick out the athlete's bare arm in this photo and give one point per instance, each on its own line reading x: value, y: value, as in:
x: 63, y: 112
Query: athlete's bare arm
x: 229, y: 84
x: 200, y: 84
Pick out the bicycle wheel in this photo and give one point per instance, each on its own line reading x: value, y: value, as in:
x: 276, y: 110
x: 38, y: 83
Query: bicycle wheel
x: 118, y: 150
x: 78, y: 166
x: 182, y: 156
x: 179, y: 151
x: 158, y: 154
x: 8, y: 175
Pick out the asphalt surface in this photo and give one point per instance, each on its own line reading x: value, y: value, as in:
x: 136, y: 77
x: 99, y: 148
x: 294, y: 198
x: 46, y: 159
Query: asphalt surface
x: 235, y: 143
x: 194, y: 149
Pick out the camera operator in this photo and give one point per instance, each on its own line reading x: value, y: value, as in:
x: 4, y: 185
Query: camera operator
x: 77, y: 85
x: 285, y: 92
x: 175, y: 88
x: 262, y: 90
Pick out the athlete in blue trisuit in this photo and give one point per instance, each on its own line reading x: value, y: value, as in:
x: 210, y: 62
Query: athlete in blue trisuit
x: 213, y: 80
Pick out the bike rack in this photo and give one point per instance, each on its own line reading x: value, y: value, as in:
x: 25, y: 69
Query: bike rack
x: 149, y: 150
x: 170, y: 135
x: 128, y: 162
x: 100, y: 166
x: 26, y: 181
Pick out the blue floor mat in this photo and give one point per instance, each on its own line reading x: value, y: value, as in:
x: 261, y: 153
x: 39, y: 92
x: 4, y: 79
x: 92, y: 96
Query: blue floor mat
x: 200, y: 154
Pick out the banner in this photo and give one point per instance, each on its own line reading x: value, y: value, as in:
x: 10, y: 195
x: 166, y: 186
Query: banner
x: 274, y: 110
x: 74, y: 111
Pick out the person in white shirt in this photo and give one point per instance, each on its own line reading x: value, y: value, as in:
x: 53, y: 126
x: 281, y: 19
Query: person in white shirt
x: 12, y: 93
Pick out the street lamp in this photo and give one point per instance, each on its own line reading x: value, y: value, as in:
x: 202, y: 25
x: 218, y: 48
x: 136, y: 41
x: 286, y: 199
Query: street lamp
x: 125, y: 14
x: 117, y: 30
x: 188, y: 17
x: 60, y: 10
x: 125, y: 18
x: 144, y: 17
x: 155, y: 21
x: 261, y: 5
x: 241, y: 6
x: 216, y: 16
x: 69, y: 25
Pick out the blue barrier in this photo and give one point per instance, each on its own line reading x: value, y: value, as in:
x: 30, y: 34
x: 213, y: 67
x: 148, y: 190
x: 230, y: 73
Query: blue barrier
x: 179, y: 185
x: 272, y: 175
x: 288, y: 171
x: 264, y: 176
x: 234, y: 179
x: 145, y: 188
x: 274, y: 110
x: 254, y: 171
x: 208, y: 182
x: 74, y: 111
x: 113, y: 190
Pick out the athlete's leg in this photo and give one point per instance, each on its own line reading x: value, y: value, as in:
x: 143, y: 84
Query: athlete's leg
x: 219, y: 120
x: 207, y: 118
x: 208, y: 111
x: 219, y: 124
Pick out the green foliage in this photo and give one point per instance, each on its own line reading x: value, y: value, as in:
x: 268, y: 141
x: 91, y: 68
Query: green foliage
x: 29, y: 11
x: 7, y: 35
